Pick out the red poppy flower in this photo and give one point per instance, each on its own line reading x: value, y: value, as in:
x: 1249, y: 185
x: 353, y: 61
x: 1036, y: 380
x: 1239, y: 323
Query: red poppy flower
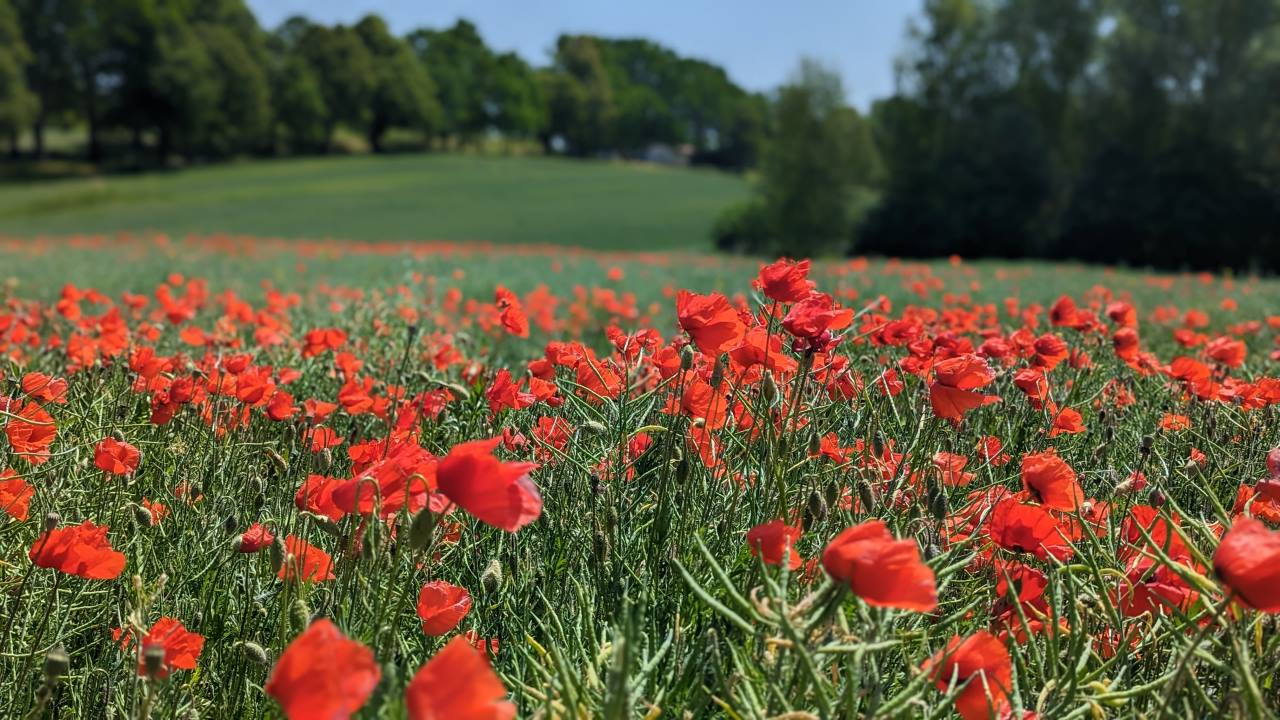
x: 15, y: 495
x: 80, y: 550
x: 710, y: 320
x: 511, y: 311
x: 1228, y: 351
x: 115, y: 457
x: 980, y: 664
x: 442, y: 606
x: 322, y: 340
x: 775, y: 541
x: 955, y: 380
x: 785, y: 280
x: 880, y: 569
x: 323, y: 674
x: 1021, y: 527
x: 316, y: 496
x: 1051, y: 481
x: 305, y: 562
x: 498, y: 493
x: 457, y: 684
x: 1066, y: 421
x: 1248, y: 561
x: 951, y: 469
x: 254, y: 539
x: 45, y: 389
x: 31, y: 433
x: 181, y: 647
x: 816, y: 316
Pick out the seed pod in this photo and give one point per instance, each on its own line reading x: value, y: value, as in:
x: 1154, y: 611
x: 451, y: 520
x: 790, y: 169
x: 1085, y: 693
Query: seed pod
x: 769, y: 388
x: 276, y: 460
x: 422, y: 529
x: 56, y: 663
x: 815, y: 510
x: 686, y: 357
x: 153, y: 660
x: 229, y: 524
x: 815, y: 445
x: 51, y: 521
x: 253, y: 652
x: 866, y: 495
x: 491, y: 578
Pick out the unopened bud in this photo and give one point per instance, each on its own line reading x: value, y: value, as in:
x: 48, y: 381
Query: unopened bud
x: 867, y: 496
x: 119, y: 436
x: 1148, y: 442
x: 717, y: 373
x: 278, y: 553
x: 276, y: 459
x: 815, y: 445
x: 141, y: 515
x: 686, y: 357
x: 299, y: 614
x: 153, y: 660
x: 253, y: 652
x: 595, y: 426
x: 51, y: 521
x: 769, y: 388
x: 422, y: 529
x: 56, y: 663
x: 229, y: 524
x: 491, y: 578
x: 815, y: 511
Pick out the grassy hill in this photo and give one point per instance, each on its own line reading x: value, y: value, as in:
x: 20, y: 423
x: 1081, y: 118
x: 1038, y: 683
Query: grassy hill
x: 407, y: 197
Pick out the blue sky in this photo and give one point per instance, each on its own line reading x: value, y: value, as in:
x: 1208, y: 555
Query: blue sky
x: 758, y: 41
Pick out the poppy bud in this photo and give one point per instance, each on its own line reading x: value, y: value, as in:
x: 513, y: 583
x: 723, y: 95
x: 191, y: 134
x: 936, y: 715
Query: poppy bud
x: 141, y: 515
x: 276, y: 459
x: 682, y: 471
x: 866, y: 495
x: 299, y: 614
x: 327, y: 457
x: 51, y: 521
x: 938, y: 504
x: 278, y: 554
x: 119, y: 436
x: 717, y: 373
x: 412, y: 333
x: 815, y: 444
x: 323, y: 522
x: 153, y: 660
x: 832, y: 493
x: 686, y: 357
x: 229, y: 524
x: 422, y: 529
x: 815, y: 510
x: 1148, y: 442
x: 253, y: 652
x: 600, y: 547
x: 491, y: 578
x: 769, y: 388
x: 595, y: 426
x: 56, y: 663
x: 1155, y: 498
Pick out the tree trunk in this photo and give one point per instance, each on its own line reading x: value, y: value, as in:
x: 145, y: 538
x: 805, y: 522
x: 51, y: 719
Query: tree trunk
x: 37, y: 133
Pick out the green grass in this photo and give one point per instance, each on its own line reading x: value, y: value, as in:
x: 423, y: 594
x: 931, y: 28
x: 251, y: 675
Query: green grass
x: 407, y: 197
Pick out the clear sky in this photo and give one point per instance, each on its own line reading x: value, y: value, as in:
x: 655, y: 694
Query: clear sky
x: 759, y: 42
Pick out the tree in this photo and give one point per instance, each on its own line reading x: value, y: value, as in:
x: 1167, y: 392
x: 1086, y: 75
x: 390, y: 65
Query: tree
x: 462, y: 67
x: 344, y: 70
x: 17, y: 103
x: 582, y: 109
x: 241, y: 114
x: 517, y: 97
x: 403, y: 94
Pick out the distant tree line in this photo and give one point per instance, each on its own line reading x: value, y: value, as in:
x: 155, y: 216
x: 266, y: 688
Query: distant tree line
x: 1118, y: 131
x: 200, y: 80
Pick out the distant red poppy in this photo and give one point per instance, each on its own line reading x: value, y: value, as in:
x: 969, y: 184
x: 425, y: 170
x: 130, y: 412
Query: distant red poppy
x: 31, y: 433
x: 305, y: 562
x: 980, y: 664
x: 442, y: 606
x: 181, y: 647
x: 952, y: 394
x: 880, y: 569
x: 512, y: 312
x: 1227, y: 350
x: 710, y: 320
x: 785, y: 280
x: 815, y: 316
x: 457, y: 684
x: 1248, y: 561
x: 1051, y: 480
x: 80, y: 550
x: 15, y: 495
x: 254, y: 539
x: 116, y: 458
x: 1172, y: 423
x: 323, y: 674
x: 498, y: 493
x: 322, y: 340
x: 774, y: 542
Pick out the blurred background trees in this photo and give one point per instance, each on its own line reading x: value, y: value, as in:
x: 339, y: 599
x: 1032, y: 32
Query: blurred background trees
x: 1140, y: 131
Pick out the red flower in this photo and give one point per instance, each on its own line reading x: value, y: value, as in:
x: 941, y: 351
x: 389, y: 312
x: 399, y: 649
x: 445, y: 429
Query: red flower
x: 45, y: 389
x: 815, y: 316
x: 881, y: 570
x: 181, y: 647
x: 709, y: 319
x: 31, y: 433
x: 955, y: 380
x: 1019, y: 527
x: 512, y: 312
x: 457, y: 684
x: 1248, y: 561
x: 305, y: 562
x: 442, y: 606
x: 80, y: 550
x: 115, y: 457
x: 498, y: 493
x: 979, y: 663
x: 775, y: 541
x: 1051, y: 481
x: 254, y: 539
x: 1066, y: 421
x: 323, y: 339
x: 15, y: 495
x: 785, y: 280
x: 323, y: 674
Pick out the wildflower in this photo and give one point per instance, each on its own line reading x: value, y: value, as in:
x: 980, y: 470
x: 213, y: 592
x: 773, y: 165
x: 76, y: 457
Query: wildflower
x: 323, y: 674
x: 305, y: 562
x: 177, y: 647
x: 952, y: 393
x: 254, y: 539
x: 498, y: 493
x: 785, y: 280
x: 880, y: 569
x: 1051, y: 481
x: 1248, y: 562
x: 774, y: 542
x: 15, y: 495
x: 80, y: 550
x: 980, y: 664
x: 442, y: 606
x: 709, y: 319
x: 457, y: 684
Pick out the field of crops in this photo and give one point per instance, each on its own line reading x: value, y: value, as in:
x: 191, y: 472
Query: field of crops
x: 316, y: 479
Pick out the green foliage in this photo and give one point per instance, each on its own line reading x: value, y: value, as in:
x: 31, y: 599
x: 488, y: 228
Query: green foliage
x: 345, y: 71
x: 404, y: 95
x: 17, y: 103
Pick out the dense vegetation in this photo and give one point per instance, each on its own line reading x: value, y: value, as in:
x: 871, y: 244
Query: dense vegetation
x: 239, y: 479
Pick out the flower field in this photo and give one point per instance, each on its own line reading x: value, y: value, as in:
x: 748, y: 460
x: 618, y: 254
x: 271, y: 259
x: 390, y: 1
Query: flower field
x: 256, y: 478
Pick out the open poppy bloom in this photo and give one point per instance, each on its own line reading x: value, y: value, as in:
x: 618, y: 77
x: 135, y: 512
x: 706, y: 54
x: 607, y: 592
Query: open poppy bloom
x: 880, y: 569
x: 1051, y: 481
x: 80, y: 550
x: 955, y: 380
x: 774, y: 542
x: 1023, y: 527
x: 31, y: 433
x: 980, y: 664
x: 514, y: 320
x: 254, y: 539
x: 15, y: 495
x: 498, y: 493
x: 305, y: 562
x: 1248, y: 561
x: 181, y: 647
x: 323, y: 674
x: 711, y: 321
x: 115, y: 457
x: 785, y: 280
x: 458, y: 684
x: 442, y: 606
x: 45, y: 389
